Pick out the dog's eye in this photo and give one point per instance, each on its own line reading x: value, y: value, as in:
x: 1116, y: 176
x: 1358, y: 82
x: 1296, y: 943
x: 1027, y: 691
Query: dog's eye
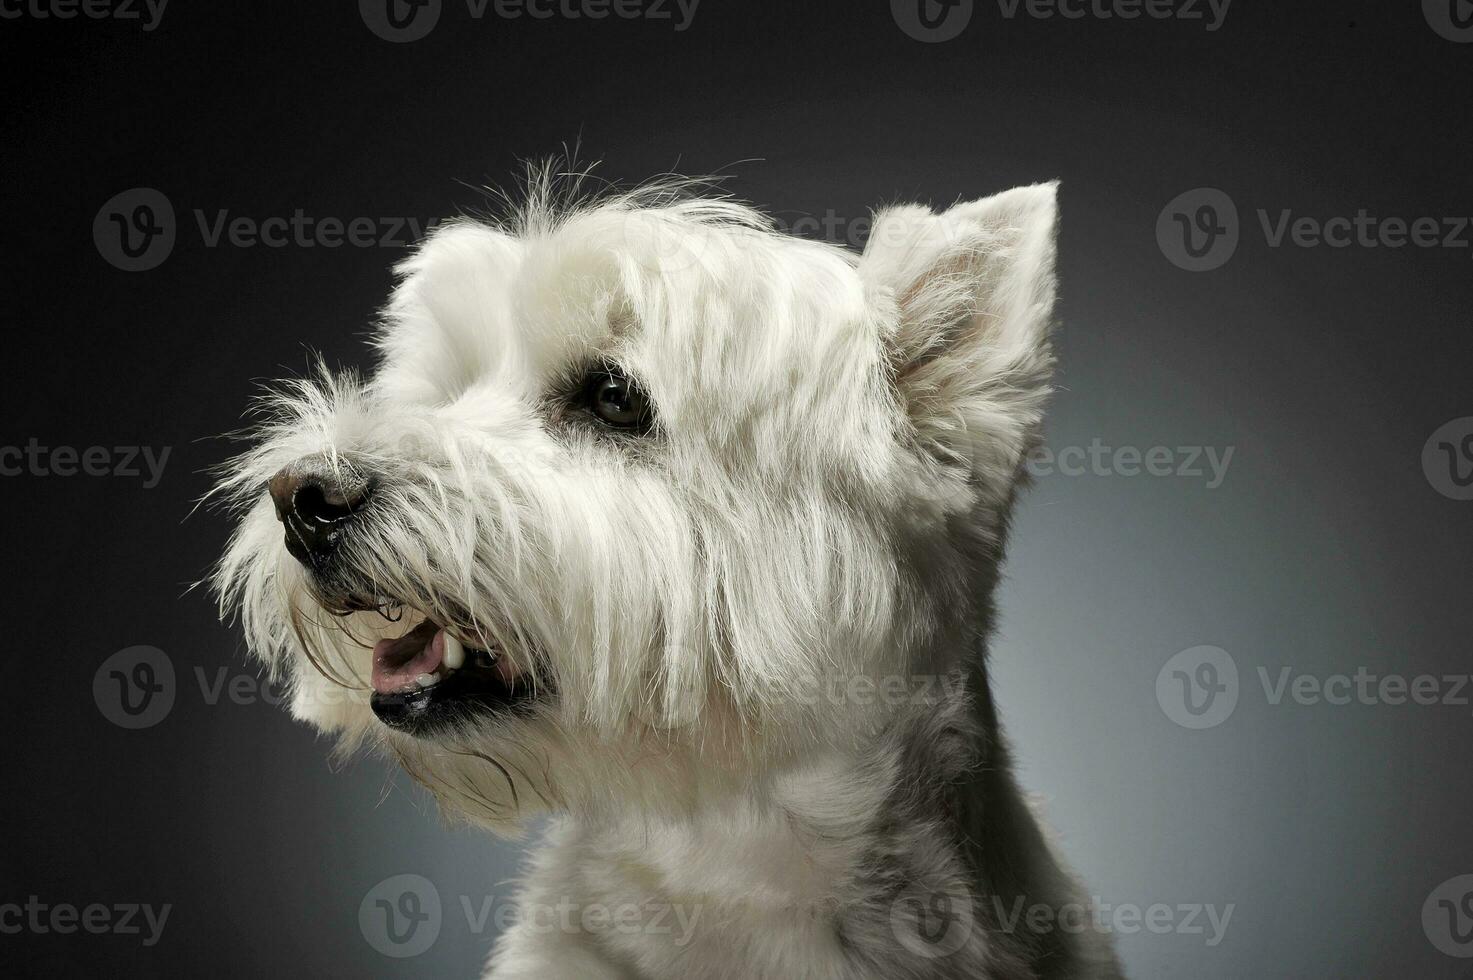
x: 617, y: 400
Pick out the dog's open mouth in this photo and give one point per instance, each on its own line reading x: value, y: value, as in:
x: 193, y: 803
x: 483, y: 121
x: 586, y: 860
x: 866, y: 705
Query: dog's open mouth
x: 429, y: 678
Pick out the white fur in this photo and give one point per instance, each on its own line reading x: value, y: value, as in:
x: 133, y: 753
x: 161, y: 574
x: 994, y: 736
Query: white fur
x: 824, y: 498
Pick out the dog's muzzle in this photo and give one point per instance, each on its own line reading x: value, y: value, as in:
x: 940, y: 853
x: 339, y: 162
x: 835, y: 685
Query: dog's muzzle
x: 426, y: 679
x: 316, y: 504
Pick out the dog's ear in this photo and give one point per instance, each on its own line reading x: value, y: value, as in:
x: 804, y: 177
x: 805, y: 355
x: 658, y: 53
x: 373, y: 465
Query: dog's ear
x: 974, y: 287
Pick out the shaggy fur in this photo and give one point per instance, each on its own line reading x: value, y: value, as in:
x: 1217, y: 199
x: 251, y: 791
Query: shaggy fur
x: 761, y: 626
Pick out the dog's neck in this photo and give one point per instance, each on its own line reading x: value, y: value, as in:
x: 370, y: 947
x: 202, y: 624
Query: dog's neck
x: 924, y: 813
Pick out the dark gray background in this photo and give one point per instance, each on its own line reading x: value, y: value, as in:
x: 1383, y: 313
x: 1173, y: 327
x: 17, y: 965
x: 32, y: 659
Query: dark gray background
x: 1325, y: 549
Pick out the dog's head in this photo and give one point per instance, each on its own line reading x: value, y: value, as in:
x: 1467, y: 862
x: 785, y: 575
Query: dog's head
x: 642, y: 489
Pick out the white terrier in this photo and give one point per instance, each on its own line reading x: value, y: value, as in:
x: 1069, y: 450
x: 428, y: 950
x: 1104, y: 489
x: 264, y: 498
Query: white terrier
x: 687, y: 531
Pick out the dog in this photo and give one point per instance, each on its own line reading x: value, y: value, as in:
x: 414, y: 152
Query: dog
x: 686, y: 531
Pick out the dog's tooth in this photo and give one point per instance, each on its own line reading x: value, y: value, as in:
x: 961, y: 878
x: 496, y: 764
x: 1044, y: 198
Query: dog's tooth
x: 454, y: 653
x: 427, y: 680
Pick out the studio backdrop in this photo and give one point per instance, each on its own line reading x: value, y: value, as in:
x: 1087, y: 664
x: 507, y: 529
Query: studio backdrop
x: 1233, y: 649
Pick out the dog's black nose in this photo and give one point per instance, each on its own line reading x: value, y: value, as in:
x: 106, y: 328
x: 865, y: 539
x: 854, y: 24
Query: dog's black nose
x: 316, y: 505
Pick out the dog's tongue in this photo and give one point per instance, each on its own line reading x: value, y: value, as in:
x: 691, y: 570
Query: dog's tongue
x: 396, y: 663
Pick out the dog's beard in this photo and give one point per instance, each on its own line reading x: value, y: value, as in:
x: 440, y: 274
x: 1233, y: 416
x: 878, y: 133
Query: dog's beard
x: 415, y: 625
x: 479, y: 736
